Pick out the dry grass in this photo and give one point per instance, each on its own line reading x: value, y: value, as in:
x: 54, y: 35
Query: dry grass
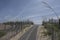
x: 40, y: 34
x: 20, y: 34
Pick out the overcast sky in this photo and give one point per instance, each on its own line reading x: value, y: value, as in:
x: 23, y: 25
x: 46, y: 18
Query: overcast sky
x: 27, y: 9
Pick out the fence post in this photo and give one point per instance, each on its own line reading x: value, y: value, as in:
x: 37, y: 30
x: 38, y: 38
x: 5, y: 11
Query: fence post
x: 59, y: 22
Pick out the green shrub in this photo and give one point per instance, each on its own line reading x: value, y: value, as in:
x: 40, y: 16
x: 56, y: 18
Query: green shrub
x: 2, y: 33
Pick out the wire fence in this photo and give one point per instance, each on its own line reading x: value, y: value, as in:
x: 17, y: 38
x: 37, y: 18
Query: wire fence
x: 52, y: 25
x: 13, y: 28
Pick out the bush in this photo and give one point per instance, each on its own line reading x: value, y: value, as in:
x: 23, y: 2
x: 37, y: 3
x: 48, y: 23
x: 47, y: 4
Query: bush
x: 2, y: 33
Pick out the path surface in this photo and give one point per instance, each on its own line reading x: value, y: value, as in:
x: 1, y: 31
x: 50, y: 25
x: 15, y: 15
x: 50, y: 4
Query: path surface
x: 31, y: 34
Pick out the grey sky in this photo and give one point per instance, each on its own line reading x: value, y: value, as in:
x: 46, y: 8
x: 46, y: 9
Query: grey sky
x: 27, y: 9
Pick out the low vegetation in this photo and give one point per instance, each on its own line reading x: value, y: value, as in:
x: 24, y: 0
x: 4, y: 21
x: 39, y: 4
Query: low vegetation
x: 15, y: 26
x: 2, y: 33
x: 53, y: 29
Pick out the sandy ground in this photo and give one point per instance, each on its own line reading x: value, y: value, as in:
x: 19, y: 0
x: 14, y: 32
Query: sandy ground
x: 40, y: 34
x: 20, y: 34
